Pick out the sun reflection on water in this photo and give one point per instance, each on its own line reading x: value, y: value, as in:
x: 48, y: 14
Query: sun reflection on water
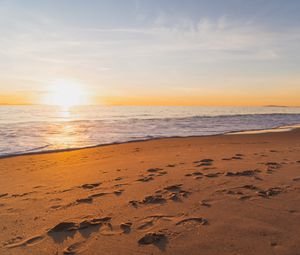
x: 66, y: 133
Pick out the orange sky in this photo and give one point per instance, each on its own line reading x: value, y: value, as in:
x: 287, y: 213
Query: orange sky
x: 189, y: 98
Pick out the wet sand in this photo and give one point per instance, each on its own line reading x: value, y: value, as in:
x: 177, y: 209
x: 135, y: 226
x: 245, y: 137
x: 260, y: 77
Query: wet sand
x: 227, y: 194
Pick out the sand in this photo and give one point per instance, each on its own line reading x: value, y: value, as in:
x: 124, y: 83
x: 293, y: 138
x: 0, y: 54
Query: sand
x: 227, y: 194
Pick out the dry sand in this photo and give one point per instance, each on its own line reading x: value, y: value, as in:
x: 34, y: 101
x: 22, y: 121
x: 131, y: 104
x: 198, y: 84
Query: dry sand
x: 235, y: 194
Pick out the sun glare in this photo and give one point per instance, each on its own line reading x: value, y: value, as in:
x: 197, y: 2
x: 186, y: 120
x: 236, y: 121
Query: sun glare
x: 66, y: 94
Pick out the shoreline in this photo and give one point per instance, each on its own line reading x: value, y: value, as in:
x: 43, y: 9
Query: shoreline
x: 277, y: 129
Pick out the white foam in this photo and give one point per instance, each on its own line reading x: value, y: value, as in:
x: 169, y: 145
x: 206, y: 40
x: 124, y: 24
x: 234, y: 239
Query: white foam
x: 27, y: 129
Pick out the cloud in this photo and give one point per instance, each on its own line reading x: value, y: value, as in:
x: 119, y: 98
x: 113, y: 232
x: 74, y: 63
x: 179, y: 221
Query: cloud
x: 213, y: 40
x: 37, y: 45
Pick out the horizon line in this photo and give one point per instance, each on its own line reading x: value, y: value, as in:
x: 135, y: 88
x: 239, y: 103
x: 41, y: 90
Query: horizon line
x: 154, y: 105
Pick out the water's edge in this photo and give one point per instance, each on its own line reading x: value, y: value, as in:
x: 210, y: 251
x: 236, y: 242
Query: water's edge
x: 242, y: 132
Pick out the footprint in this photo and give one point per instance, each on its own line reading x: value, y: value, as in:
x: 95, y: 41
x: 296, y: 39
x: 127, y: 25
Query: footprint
x: 98, y: 194
x: 145, y: 225
x: 204, y: 162
x: 55, y: 206
x: 197, y: 173
x: 212, y: 175
x: 200, y: 220
x: 28, y: 242
x: 94, y: 222
x: 90, y: 185
x: 126, y: 227
x: 154, y: 199
x: 64, y: 226
x: 152, y: 238
x: 134, y: 203
x: 171, y: 165
x: 207, y: 160
x: 153, y: 170
x: 145, y: 179
x: 271, y: 166
x: 87, y: 200
x: 74, y: 248
x: 118, y: 192
x: 205, y: 203
x: 237, y: 158
x: 175, y: 192
x: 198, y: 177
x: 249, y: 186
x: 67, y: 226
x: 161, y: 173
x: 243, y: 173
x: 174, y: 188
x: 149, y: 221
x: 270, y: 192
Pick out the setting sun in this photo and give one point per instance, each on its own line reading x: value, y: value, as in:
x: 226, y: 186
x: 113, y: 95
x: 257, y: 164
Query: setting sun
x: 66, y: 93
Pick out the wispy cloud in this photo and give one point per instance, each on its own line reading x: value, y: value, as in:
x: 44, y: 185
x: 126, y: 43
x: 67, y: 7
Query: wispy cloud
x: 35, y: 45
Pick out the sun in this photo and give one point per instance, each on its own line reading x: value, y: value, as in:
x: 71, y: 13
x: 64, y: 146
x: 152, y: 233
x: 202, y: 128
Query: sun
x: 65, y: 94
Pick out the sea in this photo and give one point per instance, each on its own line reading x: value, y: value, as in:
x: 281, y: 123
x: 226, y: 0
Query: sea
x: 33, y: 129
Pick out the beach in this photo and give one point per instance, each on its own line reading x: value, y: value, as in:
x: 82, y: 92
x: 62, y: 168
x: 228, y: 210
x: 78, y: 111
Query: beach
x: 222, y: 194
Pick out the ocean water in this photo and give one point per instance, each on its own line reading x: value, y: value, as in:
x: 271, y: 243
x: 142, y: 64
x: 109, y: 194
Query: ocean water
x: 27, y: 129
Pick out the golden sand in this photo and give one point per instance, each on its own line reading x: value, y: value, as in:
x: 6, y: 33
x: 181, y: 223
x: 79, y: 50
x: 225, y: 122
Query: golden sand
x: 201, y: 195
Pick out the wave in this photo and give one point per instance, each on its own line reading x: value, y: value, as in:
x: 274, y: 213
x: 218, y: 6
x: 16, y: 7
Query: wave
x: 137, y: 118
x: 34, y: 151
x: 37, y: 131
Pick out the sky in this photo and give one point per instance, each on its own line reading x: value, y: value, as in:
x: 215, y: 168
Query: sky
x: 151, y: 52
